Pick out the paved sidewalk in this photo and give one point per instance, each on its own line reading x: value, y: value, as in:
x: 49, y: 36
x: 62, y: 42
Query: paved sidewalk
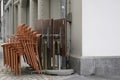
x: 78, y: 77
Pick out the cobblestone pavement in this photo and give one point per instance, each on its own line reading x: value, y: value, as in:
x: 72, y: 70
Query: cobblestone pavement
x: 6, y: 74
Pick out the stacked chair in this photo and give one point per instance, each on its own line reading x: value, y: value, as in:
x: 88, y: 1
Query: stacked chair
x: 23, y: 44
x: 45, y: 49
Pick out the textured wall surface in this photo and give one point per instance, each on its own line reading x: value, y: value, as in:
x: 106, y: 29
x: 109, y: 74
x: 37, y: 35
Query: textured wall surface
x: 87, y: 66
x: 101, y: 66
x: 75, y: 64
x: 43, y: 9
x: 33, y: 13
x: 55, y: 5
x: 76, y: 28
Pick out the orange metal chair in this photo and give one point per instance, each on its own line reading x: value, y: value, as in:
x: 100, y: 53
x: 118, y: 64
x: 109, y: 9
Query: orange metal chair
x: 24, y: 43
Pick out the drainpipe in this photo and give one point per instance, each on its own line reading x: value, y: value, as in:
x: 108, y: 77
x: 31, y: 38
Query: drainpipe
x: 63, y: 8
x: 63, y: 15
x: 66, y: 13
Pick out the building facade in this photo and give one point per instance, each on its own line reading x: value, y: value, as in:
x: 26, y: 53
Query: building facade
x: 93, y: 31
x: 17, y: 12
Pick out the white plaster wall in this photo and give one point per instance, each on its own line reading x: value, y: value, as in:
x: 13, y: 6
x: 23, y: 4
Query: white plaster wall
x: 23, y: 15
x: 101, y: 27
x: 76, y: 28
x: 55, y: 10
x: 6, y: 24
x: 33, y: 13
x: 10, y: 20
x: 27, y: 15
x: 1, y: 8
x: 9, y: 25
x: 19, y: 14
x: 15, y: 18
x: 2, y: 21
x: 43, y: 9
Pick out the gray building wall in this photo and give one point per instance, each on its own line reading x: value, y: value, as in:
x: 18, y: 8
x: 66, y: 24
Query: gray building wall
x: 55, y: 5
x: 0, y: 20
x: 76, y: 28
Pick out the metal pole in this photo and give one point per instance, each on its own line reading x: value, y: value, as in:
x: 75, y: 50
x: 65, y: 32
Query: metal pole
x: 53, y: 54
x: 59, y: 57
x: 45, y: 54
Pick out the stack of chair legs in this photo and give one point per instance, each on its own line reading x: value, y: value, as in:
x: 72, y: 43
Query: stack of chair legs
x: 12, y: 55
x: 24, y: 43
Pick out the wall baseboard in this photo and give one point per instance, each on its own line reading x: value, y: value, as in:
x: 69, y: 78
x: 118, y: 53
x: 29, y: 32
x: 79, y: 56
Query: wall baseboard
x: 75, y: 64
x: 100, y: 66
